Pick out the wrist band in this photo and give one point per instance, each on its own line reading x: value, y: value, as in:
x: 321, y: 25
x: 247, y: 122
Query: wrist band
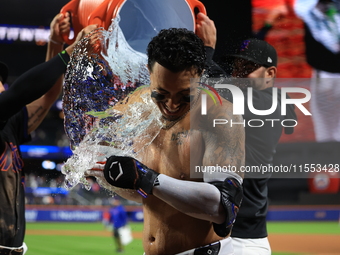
x: 64, y: 57
x: 55, y: 42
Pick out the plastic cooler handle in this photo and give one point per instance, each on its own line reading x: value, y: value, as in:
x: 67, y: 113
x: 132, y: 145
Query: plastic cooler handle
x: 196, y: 4
x: 72, y: 8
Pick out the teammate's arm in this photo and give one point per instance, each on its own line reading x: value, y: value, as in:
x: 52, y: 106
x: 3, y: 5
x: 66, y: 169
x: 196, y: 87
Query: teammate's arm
x: 206, y: 30
x: 38, y: 109
x: 39, y: 79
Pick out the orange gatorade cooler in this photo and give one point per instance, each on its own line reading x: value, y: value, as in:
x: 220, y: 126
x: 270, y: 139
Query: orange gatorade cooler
x: 140, y: 20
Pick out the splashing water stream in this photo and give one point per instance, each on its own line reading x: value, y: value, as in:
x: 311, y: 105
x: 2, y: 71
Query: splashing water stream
x: 102, y: 71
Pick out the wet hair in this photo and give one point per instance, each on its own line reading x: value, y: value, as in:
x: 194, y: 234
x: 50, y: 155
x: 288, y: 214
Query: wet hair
x: 177, y: 49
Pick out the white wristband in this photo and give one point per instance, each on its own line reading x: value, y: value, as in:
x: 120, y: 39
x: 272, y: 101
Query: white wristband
x: 55, y: 42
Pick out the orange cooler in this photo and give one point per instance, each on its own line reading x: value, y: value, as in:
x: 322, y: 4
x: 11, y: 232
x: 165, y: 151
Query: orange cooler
x: 140, y: 20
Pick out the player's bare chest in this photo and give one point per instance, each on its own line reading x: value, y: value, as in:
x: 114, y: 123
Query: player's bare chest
x: 170, y: 152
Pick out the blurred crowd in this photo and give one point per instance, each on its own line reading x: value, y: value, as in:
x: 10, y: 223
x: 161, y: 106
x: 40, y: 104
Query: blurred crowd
x: 49, y: 190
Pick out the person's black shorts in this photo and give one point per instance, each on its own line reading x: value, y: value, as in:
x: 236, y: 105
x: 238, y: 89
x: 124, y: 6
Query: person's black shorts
x: 115, y: 232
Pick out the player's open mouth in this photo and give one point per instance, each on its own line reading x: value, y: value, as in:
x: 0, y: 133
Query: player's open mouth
x: 171, y: 111
x: 172, y: 114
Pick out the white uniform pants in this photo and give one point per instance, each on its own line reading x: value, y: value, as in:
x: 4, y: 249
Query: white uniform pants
x: 251, y: 246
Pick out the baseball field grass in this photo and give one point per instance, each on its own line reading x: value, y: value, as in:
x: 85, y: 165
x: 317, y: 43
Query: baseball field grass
x: 92, y: 238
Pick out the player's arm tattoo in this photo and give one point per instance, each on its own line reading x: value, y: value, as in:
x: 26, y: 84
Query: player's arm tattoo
x: 35, y: 117
x: 226, y: 143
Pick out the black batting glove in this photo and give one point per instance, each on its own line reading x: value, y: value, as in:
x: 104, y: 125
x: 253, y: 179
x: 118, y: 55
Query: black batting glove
x: 129, y: 173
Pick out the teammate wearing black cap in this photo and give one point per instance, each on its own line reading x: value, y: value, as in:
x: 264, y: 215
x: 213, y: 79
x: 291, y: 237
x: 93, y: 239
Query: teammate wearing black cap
x: 254, y: 62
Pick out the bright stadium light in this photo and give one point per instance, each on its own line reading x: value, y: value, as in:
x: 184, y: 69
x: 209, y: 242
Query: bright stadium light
x: 49, y: 165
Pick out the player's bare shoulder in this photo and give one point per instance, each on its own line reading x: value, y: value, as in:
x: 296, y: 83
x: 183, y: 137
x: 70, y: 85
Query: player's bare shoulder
x: 134, y: 97
x: 209, y: 114
x: 222, y: 131
x: 223, y: 110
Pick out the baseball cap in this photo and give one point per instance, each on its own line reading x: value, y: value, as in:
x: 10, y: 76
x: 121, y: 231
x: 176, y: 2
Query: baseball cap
x: 3, y: 72
x: 257, y: 51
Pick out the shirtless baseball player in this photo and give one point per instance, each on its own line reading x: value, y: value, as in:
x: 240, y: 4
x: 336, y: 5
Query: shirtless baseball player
x: 182, y: 215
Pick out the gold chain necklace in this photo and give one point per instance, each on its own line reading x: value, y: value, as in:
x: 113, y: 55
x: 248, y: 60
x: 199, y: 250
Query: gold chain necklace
x: 172, y: 123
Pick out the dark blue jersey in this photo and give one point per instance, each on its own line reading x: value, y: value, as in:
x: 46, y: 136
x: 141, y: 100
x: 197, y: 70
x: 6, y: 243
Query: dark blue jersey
x: 12, y: 195
x: 118, y: 216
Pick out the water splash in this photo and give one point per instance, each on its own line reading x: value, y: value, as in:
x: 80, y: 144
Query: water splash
x: 123, y: 136
x: 102, y: 71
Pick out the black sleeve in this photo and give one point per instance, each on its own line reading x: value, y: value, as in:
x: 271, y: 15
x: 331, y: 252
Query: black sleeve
x: 212, y: 69
x: 31, y: 85
x: 291, y: 115
x: 2, y: 146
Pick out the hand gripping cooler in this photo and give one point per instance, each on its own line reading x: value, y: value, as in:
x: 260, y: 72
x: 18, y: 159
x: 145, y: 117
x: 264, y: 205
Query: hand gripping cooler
x: 80, y: 11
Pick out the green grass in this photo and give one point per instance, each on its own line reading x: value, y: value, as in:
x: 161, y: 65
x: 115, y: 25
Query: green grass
x: 101, y: 245
x: 304, y: 227
x: 74, y: 245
